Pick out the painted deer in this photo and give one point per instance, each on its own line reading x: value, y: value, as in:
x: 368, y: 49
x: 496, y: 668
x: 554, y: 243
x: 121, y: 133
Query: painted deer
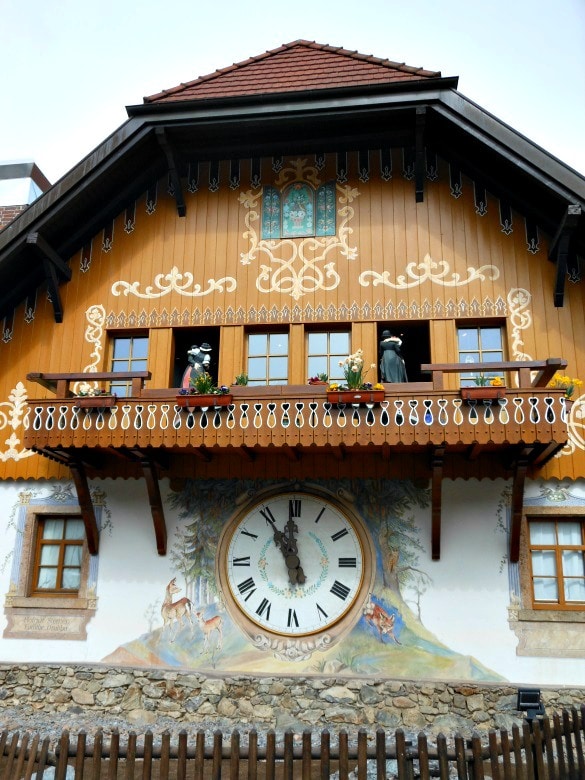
x: 171, y: 611
x: 207, y: 626
x: 381, y: 620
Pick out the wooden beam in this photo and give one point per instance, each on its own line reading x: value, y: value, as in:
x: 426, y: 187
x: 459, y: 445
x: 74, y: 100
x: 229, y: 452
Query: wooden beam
x: 165, y: 145
x: 474, y: 451
x: 419, y: 156
x: 53, y: 288
x: 156, y: 507
x: 546, y: 374
x: 291, y: 453
x: 202, y: 453
x: 517, y: 504
x: 561, y: 250
x: 436, y: 500
x: 86, y: 506
x: 247, y: 452
x: 45, y: 251
x: 546, y: 453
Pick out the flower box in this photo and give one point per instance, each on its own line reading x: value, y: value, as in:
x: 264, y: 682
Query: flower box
x: 483, y: 393
x: 95, y: 401
x: 355, y: 396
x: 198, y: 400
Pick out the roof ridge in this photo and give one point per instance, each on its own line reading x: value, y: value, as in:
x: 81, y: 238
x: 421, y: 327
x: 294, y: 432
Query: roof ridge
x: 300, y: 42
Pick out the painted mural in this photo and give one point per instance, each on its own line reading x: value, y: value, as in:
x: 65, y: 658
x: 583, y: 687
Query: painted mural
x: 191, y: 628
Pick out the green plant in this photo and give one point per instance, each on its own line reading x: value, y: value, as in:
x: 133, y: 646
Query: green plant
x: 322, y: 377
x: 204, y: 385
x: 242, y: 379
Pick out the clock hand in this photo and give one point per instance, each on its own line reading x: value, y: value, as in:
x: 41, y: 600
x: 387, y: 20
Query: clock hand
x: 287, y: 543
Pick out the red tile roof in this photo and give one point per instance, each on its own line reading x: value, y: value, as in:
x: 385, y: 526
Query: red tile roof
x: 294, y: 67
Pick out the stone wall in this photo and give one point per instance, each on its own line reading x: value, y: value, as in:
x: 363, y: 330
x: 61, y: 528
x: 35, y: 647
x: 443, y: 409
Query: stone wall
x: 139, y: 698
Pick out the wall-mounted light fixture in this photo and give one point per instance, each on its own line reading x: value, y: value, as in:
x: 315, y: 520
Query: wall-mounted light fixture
x: 529, y: 701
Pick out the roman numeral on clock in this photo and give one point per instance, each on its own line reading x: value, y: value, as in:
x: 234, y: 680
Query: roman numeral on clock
x: 247, y: 585
x: 320, y: 514
x: 245, y: 561
x: 267, y: 514
x: 264, y: 608
x: 340, y: 590
x: 339, y: 534
x: 347, y: 563
x: 292, y: 619
x: 247, y: 533
x: 294, y: 507
x: 321, y: 612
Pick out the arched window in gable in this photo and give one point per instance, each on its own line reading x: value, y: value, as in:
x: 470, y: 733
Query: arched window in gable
x: 298, y: 211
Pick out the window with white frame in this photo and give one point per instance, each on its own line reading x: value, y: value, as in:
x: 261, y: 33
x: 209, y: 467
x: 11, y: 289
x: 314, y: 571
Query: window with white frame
x: 267, y: 362
x: 480, y: 344
x: 325, y: 350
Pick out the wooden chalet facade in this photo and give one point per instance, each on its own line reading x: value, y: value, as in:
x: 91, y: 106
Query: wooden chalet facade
x: 286, y: 212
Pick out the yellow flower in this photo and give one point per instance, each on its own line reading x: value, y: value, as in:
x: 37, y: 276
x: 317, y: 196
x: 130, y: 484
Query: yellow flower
x: 496, y: 382
x: 564, y: 382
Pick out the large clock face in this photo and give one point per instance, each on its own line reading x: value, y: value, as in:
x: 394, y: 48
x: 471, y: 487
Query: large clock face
x: 294, y: 563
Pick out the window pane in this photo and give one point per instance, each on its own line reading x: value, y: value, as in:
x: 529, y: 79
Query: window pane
x: 573, y: 565
x: 469, y: 357
x: 120, y: 389
x: 575, y: 590
x: 121, y: 349
x: 335, y: 370
x: 339, y: 343
x: 317, y: 365
x: 71, y: 579
x: 491, y: 338
x: 50, y: 555
x: 257, y: 344
x: 257, y: 368
x: 73, y: 555
x: 140, y: 347
x: 53, y: 529
x: 278, y: 344
x: 74, y: 529
x: 277, y: 368
x: 546, y: 590
x: 317, y: 343
x: 542, y: 532
x: 544, y: 563
x: 138, y: 365
x: 47, y: 578
x: 468, y: 339
x: 569, y: 534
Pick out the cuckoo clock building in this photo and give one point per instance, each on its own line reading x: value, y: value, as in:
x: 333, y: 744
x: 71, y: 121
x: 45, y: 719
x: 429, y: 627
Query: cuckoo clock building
x: 291, y: 386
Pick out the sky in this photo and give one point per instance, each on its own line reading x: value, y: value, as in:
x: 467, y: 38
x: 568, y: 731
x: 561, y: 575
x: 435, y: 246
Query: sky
x: 70, y: 67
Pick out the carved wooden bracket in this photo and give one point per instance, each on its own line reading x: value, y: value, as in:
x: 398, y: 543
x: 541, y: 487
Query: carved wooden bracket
x: 561, y: 251
x: 86, y: 505
x: 419, y: 156
x: 53, y: 266
x: 156, y: 507
x: 436, y: 483
x: 165, y: 145
x: 517, y: 504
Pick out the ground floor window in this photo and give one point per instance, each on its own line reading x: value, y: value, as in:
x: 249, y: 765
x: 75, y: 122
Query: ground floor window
x: 557, y: 562
x: 58, y: 556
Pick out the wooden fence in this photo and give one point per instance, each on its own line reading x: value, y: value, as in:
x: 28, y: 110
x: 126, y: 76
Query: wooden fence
x: 545, y: 749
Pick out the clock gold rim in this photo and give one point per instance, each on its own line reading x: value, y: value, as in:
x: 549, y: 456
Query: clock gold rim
x: 343, y: 622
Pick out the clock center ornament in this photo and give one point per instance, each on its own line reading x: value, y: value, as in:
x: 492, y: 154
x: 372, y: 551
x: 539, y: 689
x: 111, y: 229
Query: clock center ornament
x: 295, y: 569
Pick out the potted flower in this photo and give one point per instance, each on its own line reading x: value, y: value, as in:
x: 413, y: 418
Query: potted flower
x: 203, y: 392
x: 318, y: 379
x: 485, y: 389
x: 94, y: 398
x: 355, y: 390
x: 566, y: 383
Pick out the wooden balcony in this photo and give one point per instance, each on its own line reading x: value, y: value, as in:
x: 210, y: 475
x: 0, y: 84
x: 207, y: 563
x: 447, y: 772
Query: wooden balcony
x: 151, y: 434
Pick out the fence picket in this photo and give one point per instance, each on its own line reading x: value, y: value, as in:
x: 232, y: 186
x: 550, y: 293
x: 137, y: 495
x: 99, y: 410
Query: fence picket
x: 235, y: 755
x: 62, y: 754
x: 131, y: 756
x: 199, y: 755
x: 253, y: 755
x: 506, y: 762
x: 21, y: 755
x: 494, y: 755
x: 517, y: 748
x: 182, y: 756
x: 43, y: 758
x: 288, y: 755
x: 460, y: 758
x: 10, y: 756
x: 380, y: 754
x: 114, y: 755
x: 528, y: 749
x: 165, y: 756
x: 271, y: 755
x: 423, y: 756
x: 343, y: 755
x: 325, y: 753
x: 442, y: 756
x: 476, y: 751
x: 558, y: 735
x: 32, y: 757
x: 567, y: 731
x: 401, y: 754
x: 80, y: 753
x: 147, y: 758
x: 217, y: 750
x: 362, y: 767
x: 306, y: 760
x: 538, y: 748
x: 578, y: 737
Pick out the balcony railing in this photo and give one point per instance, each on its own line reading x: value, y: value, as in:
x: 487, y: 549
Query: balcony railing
x: 410, y: 416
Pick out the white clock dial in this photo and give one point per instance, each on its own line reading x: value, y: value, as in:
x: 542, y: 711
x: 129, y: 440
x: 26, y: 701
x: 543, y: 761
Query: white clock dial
x: 294, y: 564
